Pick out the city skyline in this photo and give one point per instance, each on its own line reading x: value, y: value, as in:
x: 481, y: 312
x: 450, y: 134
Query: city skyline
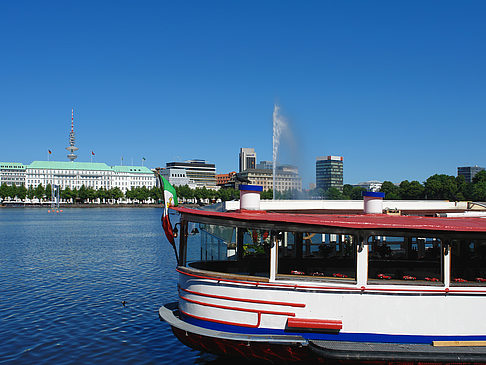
x: 395, y: 88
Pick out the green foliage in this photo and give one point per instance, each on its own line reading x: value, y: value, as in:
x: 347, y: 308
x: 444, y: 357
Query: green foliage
x: 21, y: 192
x: 48, y: 192
x: 411, y: 190
x: 334, y: 194
x: 441, y: 187
x: 392, y: 192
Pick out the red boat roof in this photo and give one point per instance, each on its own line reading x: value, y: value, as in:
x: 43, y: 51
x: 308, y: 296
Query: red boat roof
x: 358, y: 221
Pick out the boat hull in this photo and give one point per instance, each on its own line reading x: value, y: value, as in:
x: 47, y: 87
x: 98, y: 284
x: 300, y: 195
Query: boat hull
x: 292, y: 349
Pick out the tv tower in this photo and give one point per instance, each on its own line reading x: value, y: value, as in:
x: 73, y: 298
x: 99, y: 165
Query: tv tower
x: 71, y: 147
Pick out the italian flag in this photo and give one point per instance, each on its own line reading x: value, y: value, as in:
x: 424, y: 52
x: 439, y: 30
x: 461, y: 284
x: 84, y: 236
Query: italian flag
x: 170, y: 200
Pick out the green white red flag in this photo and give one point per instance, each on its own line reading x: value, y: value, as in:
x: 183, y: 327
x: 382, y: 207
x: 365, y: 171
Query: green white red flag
x: 169, y: 200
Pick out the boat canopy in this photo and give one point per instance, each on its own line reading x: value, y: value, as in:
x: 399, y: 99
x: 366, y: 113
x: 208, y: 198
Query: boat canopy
x: 351, y: 221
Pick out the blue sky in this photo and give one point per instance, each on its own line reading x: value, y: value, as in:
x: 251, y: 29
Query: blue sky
x: 397, y: 88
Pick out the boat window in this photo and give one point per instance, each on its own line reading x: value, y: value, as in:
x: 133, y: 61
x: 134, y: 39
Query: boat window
x: 413, y: 260
x: 468, y: 263
x: 228, y: 249
x: 316, y: 255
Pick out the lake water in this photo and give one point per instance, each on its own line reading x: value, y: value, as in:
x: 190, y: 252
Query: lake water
x: 63, y: 278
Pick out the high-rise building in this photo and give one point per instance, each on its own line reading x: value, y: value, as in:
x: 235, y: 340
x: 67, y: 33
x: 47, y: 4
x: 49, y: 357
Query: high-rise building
x: 203, y: 174
x: 469, y: 172
x: 247, y: 159
x: 329, y: 172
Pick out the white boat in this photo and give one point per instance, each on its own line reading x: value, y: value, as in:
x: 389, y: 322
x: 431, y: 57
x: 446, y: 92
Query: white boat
x: 291, y: 287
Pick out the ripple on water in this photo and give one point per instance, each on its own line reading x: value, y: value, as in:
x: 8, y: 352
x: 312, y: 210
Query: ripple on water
x: 65, y: 277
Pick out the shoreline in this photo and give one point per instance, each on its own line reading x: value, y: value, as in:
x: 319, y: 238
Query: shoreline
x: 66, y: 206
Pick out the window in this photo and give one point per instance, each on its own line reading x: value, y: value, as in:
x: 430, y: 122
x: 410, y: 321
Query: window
x: 228, y: 249
x: 404, y: 259
x: 321, y: 255
x: 468, y: 263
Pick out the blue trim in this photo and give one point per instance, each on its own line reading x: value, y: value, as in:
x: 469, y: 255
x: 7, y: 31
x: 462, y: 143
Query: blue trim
x: 353, y: 337
x: 251, y: 187
x: 375, y: 194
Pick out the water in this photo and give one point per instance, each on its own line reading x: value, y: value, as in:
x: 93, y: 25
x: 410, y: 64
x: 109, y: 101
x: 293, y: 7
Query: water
x: 279, y: 126
x: 63, y: 278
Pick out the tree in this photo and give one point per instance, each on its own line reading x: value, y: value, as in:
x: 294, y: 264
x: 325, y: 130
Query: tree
x: 357, y: 193
x: 30, y: 192
x: 441, y: 187
x: 392, y: 192
x: 116, y: 193
x: 411, y: 190
x: 82, y: 193
x: 479, y: 177
x: 3, y: 191
x: 12, y: 191
x: 334, y: 194
x: 21, y: 192
x: 48, y: 192
x: 39, y: 192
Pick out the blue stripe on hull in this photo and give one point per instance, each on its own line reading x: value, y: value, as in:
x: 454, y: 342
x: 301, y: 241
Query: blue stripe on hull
x: 353, y: 337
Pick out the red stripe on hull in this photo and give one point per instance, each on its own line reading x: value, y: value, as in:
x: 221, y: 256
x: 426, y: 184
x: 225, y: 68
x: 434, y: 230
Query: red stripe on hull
x: 326, y: 324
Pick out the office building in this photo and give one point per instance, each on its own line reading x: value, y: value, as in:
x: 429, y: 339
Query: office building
x: 203, y: 174
x: 469, y: 172
x: 329, y: 172
x: 247, y: 159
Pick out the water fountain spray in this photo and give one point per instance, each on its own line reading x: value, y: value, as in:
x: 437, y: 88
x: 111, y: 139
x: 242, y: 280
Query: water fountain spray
x: 278, y: 126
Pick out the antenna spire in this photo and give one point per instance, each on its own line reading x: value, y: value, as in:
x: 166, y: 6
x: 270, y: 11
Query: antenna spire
x: 71, y: 147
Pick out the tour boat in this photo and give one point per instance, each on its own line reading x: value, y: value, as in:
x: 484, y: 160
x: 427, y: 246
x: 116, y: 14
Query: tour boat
x: 288, y: 287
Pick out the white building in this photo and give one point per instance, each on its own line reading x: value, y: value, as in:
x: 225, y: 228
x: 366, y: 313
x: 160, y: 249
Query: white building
x: 370, y: 185
x: 177, y: 177
x: 76, y: 174
x: 12, y: 173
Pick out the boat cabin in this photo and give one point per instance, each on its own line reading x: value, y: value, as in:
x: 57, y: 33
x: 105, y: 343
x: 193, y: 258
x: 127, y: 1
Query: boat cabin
x: 357, y: 250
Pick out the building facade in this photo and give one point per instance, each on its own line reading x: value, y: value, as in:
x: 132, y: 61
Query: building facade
x: 12, y: 173
x: 469, y: 172
x: 329, y: 172
x: 73, y: 175
x: 177, y: 177
x: 222, y: 179
x: 200, y: 172
x: 287, y: 178
x: 265, y: 165
x: 247, y: 159
x: 372, y: 185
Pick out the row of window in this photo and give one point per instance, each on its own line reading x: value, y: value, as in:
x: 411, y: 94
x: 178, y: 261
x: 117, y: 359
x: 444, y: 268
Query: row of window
x: 403, y: 260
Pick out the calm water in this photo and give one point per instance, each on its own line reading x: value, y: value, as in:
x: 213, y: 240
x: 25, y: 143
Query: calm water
x: 63, y: 278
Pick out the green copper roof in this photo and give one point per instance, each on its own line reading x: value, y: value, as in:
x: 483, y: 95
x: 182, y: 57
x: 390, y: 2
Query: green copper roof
x: 11, y: 165
x: 68, y: 165
x: 137, y: 169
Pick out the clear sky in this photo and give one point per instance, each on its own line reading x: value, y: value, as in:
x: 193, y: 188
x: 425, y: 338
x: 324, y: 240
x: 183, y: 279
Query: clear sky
x: 397, y: 88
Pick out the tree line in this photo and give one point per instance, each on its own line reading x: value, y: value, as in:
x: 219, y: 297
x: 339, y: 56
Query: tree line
x: 436, y: 187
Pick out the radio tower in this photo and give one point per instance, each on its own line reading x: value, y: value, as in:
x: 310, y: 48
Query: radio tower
x: 71, y: 147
